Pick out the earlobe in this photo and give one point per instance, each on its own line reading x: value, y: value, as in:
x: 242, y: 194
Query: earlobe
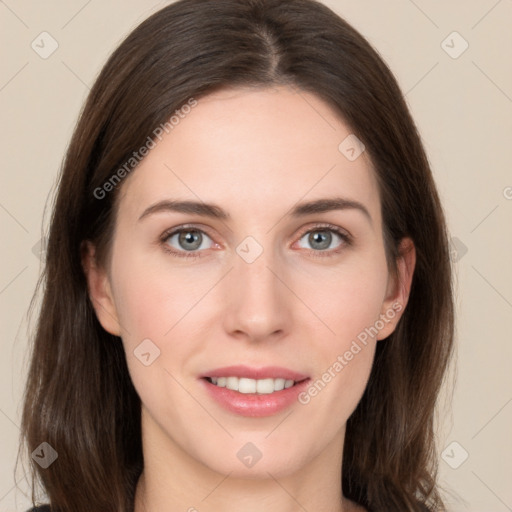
x: 399, y: 287
x: 99, y: 289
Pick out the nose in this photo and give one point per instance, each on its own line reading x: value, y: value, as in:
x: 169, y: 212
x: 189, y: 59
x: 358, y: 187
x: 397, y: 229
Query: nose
x: 258, y: 302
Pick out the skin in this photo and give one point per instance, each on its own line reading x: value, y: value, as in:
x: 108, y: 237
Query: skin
x: 255, y: 153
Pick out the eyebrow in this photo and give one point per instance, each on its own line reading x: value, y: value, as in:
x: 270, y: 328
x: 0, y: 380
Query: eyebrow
x: 216, y: 212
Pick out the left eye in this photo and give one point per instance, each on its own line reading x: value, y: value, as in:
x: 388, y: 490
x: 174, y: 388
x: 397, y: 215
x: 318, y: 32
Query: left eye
x: 320, y: 239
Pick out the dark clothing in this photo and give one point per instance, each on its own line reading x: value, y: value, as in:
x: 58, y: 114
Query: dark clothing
x: 43, y: 508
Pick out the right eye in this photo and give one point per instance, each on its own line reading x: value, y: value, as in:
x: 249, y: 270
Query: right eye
x: 185, y: 242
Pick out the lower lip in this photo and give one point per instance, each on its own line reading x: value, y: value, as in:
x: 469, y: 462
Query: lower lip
x: 252, y: 404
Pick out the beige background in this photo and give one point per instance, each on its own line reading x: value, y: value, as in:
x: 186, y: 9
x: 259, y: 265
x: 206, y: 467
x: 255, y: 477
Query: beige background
x: 463, y: 107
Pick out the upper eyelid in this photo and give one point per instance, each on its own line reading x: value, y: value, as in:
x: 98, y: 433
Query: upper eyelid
x: 186, y: 227
x: 327, y: 227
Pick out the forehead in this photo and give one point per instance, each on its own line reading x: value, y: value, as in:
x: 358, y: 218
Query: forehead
x: 253, y: 150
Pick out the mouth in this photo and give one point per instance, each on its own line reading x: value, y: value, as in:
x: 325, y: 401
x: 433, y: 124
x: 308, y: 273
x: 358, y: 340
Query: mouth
x: 246, y: 385
x: 254, y: 392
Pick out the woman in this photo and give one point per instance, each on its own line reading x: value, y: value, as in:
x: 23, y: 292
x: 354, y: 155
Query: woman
x: 247, y: 297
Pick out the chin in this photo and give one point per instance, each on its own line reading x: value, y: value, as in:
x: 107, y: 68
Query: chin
x: 255, y: 459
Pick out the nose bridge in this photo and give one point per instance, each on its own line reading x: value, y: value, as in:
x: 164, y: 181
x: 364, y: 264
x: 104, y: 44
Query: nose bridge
x: 257, y: 300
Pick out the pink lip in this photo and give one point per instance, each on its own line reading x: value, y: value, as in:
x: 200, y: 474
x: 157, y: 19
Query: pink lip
x: 253, y: 404
x: 268, y: 372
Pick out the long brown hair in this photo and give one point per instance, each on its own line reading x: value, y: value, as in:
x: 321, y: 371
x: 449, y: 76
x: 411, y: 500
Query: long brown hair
x: 79, y: 397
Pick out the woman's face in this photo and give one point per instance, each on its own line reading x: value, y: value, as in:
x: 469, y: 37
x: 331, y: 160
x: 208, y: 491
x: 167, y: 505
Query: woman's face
x: 280, y: 270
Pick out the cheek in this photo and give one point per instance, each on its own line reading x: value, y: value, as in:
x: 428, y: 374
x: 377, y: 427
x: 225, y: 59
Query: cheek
x: 152, y: 297
x: 349, y: 303
x: 156, y: 304
x: 344, y: 359
x: 349, y: 299
x: 152, y: 305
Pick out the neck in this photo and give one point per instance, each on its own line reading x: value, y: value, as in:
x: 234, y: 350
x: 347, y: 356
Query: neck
x: 243, y: 495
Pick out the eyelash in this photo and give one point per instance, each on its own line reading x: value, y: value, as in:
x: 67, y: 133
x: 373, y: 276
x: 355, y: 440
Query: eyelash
x: 344, y: 236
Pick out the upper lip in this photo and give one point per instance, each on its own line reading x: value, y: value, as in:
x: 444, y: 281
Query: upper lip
x: 267, y: 372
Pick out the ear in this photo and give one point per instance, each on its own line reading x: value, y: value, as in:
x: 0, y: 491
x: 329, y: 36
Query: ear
x: 399, y: 288
x: 99, y: 289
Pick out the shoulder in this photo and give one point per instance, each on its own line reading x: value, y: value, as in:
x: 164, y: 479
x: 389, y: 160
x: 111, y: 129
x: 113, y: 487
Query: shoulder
x: 42, y: 508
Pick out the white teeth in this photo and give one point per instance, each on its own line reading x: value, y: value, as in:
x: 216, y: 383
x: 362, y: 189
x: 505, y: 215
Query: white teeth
x: 260, y: 386
x: 279, y: 384
x: 265, y: 386
x: 246, y: 385
x: 232, y: 383
x: 288, y: 383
